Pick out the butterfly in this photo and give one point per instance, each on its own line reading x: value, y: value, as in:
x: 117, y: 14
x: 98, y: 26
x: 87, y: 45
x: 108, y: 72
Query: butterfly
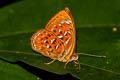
x: 58, y: 40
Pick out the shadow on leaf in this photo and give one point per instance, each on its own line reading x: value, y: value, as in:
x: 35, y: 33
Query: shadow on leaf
x: 7, y: 2
x: 42, y: 74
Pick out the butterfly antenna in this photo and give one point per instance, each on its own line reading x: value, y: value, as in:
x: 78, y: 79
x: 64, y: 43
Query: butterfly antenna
x: 91, y: 55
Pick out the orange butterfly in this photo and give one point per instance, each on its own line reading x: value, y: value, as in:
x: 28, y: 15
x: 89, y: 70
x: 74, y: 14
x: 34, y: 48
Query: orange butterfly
x: 58, y: 40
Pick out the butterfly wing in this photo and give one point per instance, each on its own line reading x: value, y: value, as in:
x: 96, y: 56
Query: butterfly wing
x: 47, y: 44
x: 62, y: 25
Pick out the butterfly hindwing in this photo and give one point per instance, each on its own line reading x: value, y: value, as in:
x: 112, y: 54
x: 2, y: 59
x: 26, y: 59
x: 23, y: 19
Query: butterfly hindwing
x: 47, y: 44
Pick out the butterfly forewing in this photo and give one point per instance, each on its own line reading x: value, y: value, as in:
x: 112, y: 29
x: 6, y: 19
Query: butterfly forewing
x: 47, y: 44
x: 62, y: 25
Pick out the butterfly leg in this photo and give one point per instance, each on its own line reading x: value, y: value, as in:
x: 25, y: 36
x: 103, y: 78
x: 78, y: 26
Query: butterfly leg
x: 65, y: 64
x: 51, y: 62
x: 77, y: 64
x: 91, y: 55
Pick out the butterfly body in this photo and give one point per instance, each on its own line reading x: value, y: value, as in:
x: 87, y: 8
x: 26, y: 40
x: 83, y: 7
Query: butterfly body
x: 58, y: 40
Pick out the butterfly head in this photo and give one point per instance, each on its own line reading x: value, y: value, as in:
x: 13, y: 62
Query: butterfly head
x: 74, y: 57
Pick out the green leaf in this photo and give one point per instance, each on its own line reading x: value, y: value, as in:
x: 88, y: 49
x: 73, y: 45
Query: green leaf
x: 94, y: 22
x: 13, y: 71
